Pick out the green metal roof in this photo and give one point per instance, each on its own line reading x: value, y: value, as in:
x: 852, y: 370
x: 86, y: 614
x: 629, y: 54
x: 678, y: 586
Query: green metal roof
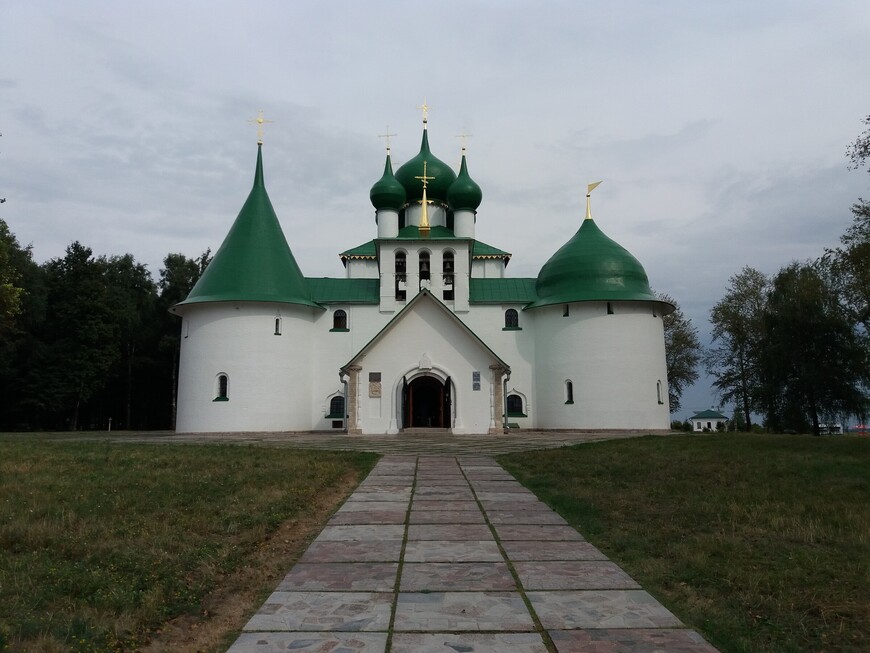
x: 591, y: 267
x: 502, y: 291
x: 254, y: 263
x: 441, y: 173
x: 344, y: 291
x: 482, y: 250
x: 708, y: 414
x: 366, y: 250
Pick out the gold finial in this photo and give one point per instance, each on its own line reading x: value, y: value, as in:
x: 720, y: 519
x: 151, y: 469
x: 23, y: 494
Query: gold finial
x: 387, y: 136
x: 259, y: 121
x: 425, y: 109
x: 463, y: 138
x: 589, y: 189
x: 424, y: 217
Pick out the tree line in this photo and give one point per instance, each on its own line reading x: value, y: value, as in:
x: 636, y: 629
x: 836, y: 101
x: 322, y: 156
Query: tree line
x: 793, y: 347
x: 87, y: 341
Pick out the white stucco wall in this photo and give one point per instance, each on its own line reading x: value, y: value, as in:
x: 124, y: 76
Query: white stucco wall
x: 267, y: 373
x: 613, y: 361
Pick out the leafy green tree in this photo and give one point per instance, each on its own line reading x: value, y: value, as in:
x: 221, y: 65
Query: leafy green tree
x: 77, y: 343
x: 132, y: 296
x: 682, y: 352
x: 738, y: 322
x: 10, y: 276
x: 813, y: 363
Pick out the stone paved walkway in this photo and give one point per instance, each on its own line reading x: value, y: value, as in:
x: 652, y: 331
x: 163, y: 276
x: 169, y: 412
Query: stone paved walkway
x: 439, y: 553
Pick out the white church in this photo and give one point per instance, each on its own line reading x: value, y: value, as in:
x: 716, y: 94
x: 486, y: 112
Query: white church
x: 424, y: 330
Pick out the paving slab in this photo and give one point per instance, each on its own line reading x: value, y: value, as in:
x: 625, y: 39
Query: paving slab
x: 461, y: 611
x: 440, y: 504
x: 357, y: 506
x: 367, y: 494
x: 324, y: 612
x: 362, y: 532
x: 310, y: 643
x: 534, y: 550
x: 452, y: 576
x: 601, y: 609
x: 446, y: 517
x: 349, y: 517
x: 388, y: 551
x: 456, y: 551
x: 341, y: 577
x: 628, y: 640
x: 523, y: 517
x: 468, y: 643
x: 538, y: 532
x: 477, y: 532
x: 573, y: 575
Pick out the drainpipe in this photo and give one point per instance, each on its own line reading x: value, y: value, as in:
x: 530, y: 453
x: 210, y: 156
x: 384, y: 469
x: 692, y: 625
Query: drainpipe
x: 504, y: 422
x: 344, y: 386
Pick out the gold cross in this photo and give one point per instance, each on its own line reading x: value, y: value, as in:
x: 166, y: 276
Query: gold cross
x: 387, y: 137
x: 425, y: 108
x: 464, y: 138
x: 259, y: 121
x: 424, y: 178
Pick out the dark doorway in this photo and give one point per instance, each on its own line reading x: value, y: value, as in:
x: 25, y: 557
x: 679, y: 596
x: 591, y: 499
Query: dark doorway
x: 426, y: 403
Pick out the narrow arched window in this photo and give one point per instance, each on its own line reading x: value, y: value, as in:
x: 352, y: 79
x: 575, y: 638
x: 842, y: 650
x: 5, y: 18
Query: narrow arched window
x: 223, y: 387
x: 447, y: 274
x: 336, y: 408
x: 569, y: 392
x: 511, y: 319
x: 659, y: 391
x: 339, y: 320
x: 609, y: 308
x: 424, y: 265
x: 277, y: 326
x: 401, y: 270
x: 515, y: 406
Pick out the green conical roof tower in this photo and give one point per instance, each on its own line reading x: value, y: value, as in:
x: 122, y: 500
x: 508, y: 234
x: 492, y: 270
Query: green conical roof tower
x: 254, y: 263
x: 591, y: 267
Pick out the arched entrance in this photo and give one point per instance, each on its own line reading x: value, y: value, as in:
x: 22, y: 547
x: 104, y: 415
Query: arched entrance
x: 426, y: 403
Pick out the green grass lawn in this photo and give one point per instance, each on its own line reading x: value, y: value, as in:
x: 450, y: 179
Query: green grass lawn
x: 762, y: 543
x: 102, y: 544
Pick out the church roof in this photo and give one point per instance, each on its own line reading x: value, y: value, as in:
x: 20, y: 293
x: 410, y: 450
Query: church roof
x: 254, y: 263
x: 388, y: 193
x: 502, y: 291
x: 591, y: 267
x: 464, y: 194
x: 479, y: 249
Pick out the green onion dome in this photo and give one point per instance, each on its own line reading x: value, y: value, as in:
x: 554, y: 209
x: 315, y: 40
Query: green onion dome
x: 441, y: 173
x: 464, y: 194
x: 591, y: 267
x: 388, y: 193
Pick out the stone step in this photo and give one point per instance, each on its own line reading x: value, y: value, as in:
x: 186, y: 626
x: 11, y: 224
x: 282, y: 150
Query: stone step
x: 425, y: 430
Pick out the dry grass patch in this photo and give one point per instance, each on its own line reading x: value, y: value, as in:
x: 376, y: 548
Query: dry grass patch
x: 760, y: 542
x: 105, y: 546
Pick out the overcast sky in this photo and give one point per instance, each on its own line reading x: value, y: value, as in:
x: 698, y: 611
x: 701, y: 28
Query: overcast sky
x: 719, y: 128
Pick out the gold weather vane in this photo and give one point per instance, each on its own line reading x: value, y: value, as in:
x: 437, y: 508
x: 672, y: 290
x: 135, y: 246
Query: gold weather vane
x: 259, y: 121
x: 425, y: 109
x: 387, y: 138
x: 589, y: 189
x: 424, y: 217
